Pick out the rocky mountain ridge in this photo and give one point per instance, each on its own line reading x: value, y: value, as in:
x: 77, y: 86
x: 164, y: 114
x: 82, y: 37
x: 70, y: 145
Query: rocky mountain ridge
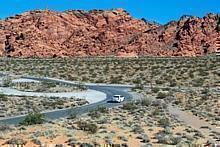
x: 43, y: 33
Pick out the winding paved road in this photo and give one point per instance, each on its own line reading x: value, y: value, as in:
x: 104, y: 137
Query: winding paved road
x: 111, y: 90
x: 60, y: 113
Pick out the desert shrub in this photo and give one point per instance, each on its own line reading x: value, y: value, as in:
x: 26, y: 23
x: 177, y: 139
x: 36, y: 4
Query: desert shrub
x: 94, y: 114
x: 177, y: 102
x: 89, y: 127
x: 3, y: 97
x: 16, y: 141
x: 137, y: 81
x: 164, y: 122
x: 203, y: 73
x: 115, y: 80
x: 33, y: 118
x: 161, y: 95
x: 138, y: 87
x: 102, y: 109
x: 137, y: 129
x: 164, y: 138
x: 191, y: 74
x: 175, y: 140
x: 145, y: 102
x: 81, y: 86
x: 46, y: 85
x: 155, y: 89
x: 173, y: 83
x: 97, y: 112
x: 198, y: 82
x: 4, y: 127
x: 156, y: 112
x: 54, y: 104
x: 205, y: 91
x: 159, y: 82
x: 129, y: 106
x: 72, y: 116
x: 6, y: 81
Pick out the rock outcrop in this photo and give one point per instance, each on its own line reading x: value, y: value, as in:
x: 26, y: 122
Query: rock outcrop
x: 43, y: 33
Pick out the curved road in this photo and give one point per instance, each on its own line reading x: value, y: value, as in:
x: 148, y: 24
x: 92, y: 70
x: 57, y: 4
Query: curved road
x: 111, y: 90
x: 60, y: 113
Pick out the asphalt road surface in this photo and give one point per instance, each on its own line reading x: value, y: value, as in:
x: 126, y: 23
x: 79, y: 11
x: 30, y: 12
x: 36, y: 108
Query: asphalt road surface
x: 62, y: 113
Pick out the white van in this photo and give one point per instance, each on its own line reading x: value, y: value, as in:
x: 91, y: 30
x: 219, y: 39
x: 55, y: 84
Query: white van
x: 118, y: 98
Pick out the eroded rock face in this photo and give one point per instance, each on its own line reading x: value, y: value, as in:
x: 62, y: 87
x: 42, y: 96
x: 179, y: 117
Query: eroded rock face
x: 104, y: 33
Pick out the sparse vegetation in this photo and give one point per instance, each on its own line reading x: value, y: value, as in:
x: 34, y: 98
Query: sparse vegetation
x: 176, y: 81
x: 138, y: 71
x: 17, y: 105
x: 129, y: 106
x: 90, y: 127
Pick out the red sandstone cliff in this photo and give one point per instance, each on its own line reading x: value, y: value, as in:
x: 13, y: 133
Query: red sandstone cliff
x: 104, y: 33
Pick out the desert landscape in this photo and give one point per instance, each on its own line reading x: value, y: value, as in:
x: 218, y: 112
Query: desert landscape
x: 98, y: 78
x: 159, y: 86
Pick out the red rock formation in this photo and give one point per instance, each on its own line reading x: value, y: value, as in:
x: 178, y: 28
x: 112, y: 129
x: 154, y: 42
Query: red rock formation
x: 104, y: 33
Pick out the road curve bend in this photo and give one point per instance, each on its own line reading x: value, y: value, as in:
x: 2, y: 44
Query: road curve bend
x: 62, y: 113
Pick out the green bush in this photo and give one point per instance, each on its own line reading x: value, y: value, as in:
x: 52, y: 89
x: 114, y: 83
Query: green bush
x: 33, y: 118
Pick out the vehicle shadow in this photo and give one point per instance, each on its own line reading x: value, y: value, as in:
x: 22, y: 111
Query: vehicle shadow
x: 110, y: 101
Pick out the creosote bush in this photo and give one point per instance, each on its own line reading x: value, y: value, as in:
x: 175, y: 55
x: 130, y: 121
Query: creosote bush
x: 33, y: 118
x: 129, y: 106
x: 164, y: 122
x: 102, y: 110
x: 89, y: 127
x: 161, y: 95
